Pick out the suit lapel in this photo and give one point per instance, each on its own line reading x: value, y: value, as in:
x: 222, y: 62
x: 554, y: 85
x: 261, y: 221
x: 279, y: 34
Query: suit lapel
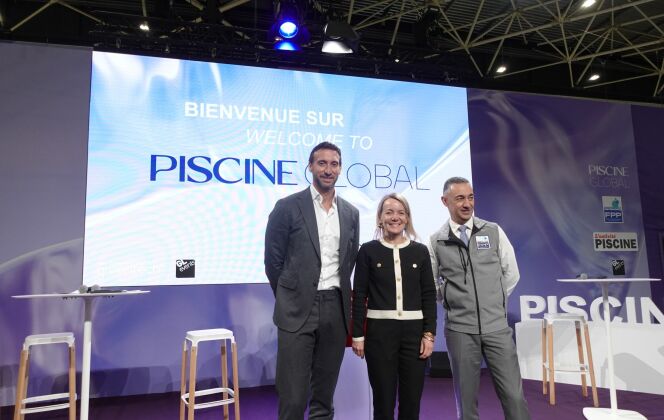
x: 344, y: 234
x: 309, y: 214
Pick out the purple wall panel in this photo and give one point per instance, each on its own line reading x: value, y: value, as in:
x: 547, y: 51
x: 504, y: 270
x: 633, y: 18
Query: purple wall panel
x: 648, y: 135
x: 532, y: 160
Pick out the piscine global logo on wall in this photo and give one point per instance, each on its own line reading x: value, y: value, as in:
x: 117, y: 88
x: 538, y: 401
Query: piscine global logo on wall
x: 615, y: 241
x: 608, y: 176
x: 612, y: 208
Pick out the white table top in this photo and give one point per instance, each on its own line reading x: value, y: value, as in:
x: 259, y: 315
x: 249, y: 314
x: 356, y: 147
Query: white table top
x: 76, y: 294
x: 606, y: 280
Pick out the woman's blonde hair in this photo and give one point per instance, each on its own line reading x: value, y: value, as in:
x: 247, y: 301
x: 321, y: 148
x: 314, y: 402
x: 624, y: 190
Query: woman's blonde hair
x: 409, y: 229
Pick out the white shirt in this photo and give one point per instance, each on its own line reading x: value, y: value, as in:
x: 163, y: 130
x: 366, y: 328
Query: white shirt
x: 328, y: 238
x: 505, y: 252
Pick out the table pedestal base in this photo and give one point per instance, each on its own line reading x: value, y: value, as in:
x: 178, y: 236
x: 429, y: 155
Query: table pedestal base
x: 593, y: 413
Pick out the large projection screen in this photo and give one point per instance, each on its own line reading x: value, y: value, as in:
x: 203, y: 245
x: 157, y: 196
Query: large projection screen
x: 186, y: 160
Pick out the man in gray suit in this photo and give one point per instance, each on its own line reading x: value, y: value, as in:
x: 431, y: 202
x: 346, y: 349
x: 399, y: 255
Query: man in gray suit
x: 311, y: 242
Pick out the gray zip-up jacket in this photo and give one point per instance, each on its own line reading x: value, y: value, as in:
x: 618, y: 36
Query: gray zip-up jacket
x: 476, y: 279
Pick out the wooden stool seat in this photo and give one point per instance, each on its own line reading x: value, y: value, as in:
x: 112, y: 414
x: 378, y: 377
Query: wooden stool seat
x: 548, y: 365
x: 20, y: 409
x: 228, y: 395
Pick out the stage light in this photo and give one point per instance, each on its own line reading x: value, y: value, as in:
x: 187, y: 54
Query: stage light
x: 144, y: 26
x: 593, y: 77
x: 288, y: 31
x: 501, y: 69
x: 587, y: 3
x: 340, y: 38
x: 285, y: 45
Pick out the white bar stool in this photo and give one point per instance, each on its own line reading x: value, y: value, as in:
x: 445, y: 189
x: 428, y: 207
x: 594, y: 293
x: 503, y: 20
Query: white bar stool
x: 229, y: 396
x: 20, y: 409
x: 548, y: 364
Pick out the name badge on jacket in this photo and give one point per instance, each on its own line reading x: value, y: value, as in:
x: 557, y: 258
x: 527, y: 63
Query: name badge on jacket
x: 482, y: 242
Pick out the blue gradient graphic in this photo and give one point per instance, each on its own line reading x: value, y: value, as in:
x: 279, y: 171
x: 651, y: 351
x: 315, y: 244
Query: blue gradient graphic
x: 394, y: 136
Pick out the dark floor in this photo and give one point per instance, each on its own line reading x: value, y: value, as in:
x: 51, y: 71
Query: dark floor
x: 437, y: 403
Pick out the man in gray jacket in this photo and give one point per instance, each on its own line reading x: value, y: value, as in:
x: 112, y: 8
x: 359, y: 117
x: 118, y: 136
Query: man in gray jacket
x: 476, y: 270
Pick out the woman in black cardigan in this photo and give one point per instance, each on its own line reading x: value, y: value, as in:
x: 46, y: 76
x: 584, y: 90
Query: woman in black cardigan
x: 394, y: 292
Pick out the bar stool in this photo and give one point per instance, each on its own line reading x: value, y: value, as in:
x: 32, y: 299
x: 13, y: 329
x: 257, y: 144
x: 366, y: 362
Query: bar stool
x: 548, y: 364
x: 20, y: 409
x: 229, y: 396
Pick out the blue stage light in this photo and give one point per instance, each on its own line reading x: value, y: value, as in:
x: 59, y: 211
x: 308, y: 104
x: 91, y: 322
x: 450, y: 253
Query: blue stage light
x: 286, y: 46
x: 288, y: 29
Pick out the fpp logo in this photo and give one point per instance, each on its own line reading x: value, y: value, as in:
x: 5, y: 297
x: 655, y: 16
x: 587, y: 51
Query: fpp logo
x: 185, y: 269
x: 618, y: 267
x: 613, y: 211
x: 615, y: 241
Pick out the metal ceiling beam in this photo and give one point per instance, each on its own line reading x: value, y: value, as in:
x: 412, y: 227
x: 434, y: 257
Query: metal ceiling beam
x: 350, y: 11
x: 499, y: 48
x: 460, y: 41
x: 638, y: 51
x: 477, y: 42
x: 231, y: 5
x: 501, y: 16
x: 604, y: 28
x: 613, y: 82
x: 396, y: 29
x: 395, y: 16
x: 590, y: 62
x: 49, y: 4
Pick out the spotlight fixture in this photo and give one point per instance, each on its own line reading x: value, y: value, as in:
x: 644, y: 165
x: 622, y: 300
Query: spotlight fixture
x: 501, y: 69
x: 340, y: 38
x: 144, y: 26
x: 586, y: 4
x: 288, y: 31
x: 593, y: 77
x: 285, y: 45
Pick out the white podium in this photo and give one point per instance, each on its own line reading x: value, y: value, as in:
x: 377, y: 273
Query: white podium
x: 88, y: 298
x: 593, y: 413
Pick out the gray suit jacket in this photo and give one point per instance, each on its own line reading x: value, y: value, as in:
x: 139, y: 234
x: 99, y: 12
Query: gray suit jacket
x: 292, y: 257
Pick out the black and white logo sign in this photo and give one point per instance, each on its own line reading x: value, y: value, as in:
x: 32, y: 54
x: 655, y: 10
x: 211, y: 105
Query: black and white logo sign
x: 185, y: 269
x: 618, y: 267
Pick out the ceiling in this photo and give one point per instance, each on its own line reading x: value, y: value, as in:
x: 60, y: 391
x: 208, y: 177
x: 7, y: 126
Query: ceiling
x: 547, y: 46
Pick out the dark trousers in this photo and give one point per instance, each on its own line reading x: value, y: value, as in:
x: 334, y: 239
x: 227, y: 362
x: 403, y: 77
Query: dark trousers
x: 392, y: 349
x: 309, y: 360
x: 465, y: 352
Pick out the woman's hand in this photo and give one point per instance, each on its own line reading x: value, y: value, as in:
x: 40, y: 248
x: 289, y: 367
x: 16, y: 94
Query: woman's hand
x: 358, y: 348
x: 426, y: 348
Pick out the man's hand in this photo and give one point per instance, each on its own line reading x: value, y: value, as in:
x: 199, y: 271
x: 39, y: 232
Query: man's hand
x: 358, y: 348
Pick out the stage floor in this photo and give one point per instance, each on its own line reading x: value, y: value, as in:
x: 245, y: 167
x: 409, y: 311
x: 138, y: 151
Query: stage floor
x: 437, y: 403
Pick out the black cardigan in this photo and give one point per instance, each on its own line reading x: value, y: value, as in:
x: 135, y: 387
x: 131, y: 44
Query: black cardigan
x: 375, y: 283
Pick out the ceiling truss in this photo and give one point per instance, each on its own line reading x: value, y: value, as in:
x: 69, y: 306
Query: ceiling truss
x: 553, y: 46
